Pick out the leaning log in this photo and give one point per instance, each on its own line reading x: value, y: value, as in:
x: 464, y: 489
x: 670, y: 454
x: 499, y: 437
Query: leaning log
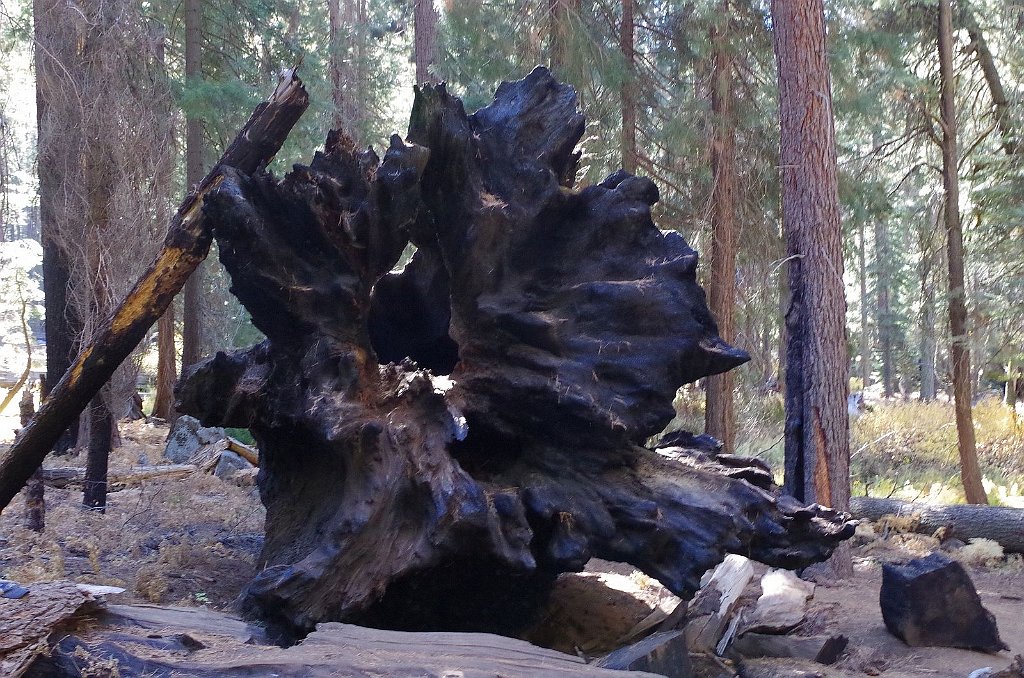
x: 968, y: 521
x: 438, y: 443
x: 185, y: 246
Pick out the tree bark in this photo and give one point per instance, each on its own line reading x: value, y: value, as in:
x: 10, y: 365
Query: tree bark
x: 192, y: 297
x: 719, y: 416
x: 959, y: 349
x: 969, y: 521
x: 629, y: 88
x: 425, y: 47
x: 187, y: 243
x: 817, y: 425
x: 166, y: 368
x: 559, y: 31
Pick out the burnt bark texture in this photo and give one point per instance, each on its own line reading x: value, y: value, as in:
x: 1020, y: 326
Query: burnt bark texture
x: 959, y: 346
x: 817, y: 443
x: 35, y: 492
x: 442, y: 441
x: 186, y: 244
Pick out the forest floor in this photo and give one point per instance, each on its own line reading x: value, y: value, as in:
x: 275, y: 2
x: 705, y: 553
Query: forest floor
x: 196, y: 540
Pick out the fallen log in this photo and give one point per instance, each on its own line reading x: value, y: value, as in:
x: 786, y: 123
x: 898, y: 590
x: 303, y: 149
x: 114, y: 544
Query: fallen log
x: 147, y: 640
x: 64, y: 476
x: 437, y: 444
x: 999, y: 523
x: 185, y: 246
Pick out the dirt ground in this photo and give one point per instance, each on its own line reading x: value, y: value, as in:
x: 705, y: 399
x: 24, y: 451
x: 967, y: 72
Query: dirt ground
x: 195, y: 541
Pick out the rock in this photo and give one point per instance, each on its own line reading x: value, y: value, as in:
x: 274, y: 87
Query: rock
x: 663, y: 653
x: 932, y: 601
x: 230, y: 464
x: 186, y: 437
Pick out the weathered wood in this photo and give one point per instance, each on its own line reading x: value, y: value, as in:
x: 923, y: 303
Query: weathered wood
x: 186, y: 244
x: 710, y: 611
x: 153, y: 641
x: 999, y: 523
x: 822, y: 649
x: 557, y: 326
x: 117, y: 479
x: 244, y: 451
x: 25, y: 623
x: 782, y: 604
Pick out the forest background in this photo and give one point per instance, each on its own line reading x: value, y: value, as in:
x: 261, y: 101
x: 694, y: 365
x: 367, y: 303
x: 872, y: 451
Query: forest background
x: 136, y: 99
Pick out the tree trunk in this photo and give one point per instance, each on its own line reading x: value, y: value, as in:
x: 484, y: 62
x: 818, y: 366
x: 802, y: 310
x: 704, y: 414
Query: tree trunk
x: 928, y: 282
x: 559, y: 31
x: 53, y: 46
x: 166, y: 368
x: 1000, y: 103
x: 564, y: 321
x: 335, y: 59
x: 35, y: 500
x: 969, y: 521
x: 883, y: 290
x: 959, y: 349
x: 192, y: 297
x: 865, y: 333
x: 187, y: 243
x: 817, y: 426
x: 629, y: 88
x: 425, y: 48
x: 101, y: 425
x: 719, y: 417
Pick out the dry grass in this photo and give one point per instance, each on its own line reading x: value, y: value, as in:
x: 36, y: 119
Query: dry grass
x: 188, y: 541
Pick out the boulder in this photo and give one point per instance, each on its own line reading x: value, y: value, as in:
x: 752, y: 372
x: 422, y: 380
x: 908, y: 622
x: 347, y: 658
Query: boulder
x: 932, y: 601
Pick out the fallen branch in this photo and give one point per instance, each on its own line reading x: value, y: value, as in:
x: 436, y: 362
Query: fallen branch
x: 186, y: 245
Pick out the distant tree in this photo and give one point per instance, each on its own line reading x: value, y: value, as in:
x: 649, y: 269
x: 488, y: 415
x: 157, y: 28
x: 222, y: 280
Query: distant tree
x: 719, y: 415
x: 817, y: 454
x: 628, y: 89
x: 192, y: 295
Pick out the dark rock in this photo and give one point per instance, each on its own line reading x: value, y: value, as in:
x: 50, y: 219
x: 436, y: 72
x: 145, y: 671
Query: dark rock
x: 664, y: 653
x: 932, y: 601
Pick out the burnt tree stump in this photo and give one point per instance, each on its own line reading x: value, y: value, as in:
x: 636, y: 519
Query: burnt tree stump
x: 438, y: 444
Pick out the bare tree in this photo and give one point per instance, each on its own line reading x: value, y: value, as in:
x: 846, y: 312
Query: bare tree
x: 959, y: 349
x: 104, y: 157
x: 817, y: 455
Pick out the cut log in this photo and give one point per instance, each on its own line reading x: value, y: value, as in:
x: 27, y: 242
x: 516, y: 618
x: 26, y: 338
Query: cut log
x: 932, y: 601
x: 998, y: 523
x: 185, y: 246
x: 664, y: 653
x: 557, y: 326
